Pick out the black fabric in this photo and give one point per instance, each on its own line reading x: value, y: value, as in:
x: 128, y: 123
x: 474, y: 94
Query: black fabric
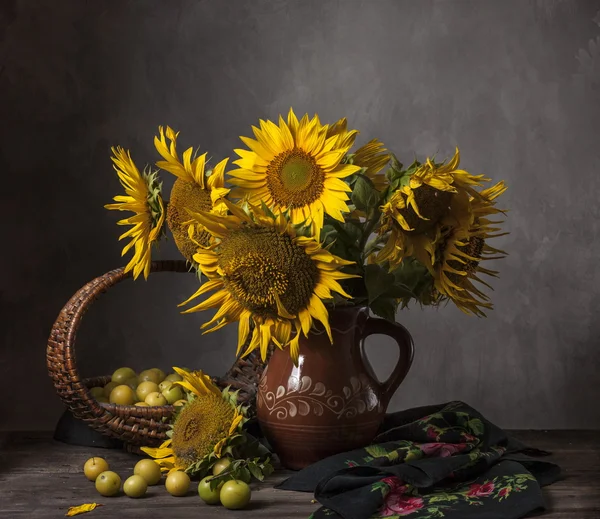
x: 72, y: 431
x: 445, y: 461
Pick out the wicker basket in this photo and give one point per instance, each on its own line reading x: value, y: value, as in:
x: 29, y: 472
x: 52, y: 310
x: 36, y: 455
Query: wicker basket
x: 134, y: 425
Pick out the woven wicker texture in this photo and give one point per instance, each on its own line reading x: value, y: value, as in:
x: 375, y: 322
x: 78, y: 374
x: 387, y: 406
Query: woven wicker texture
x: 134, y: 425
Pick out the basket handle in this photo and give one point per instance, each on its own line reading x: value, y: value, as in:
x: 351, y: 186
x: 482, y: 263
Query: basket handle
x: 60, y: 351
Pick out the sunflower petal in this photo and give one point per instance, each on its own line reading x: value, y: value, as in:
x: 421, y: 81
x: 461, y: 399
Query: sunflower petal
x: 81, y: 509
x: 196, y: 382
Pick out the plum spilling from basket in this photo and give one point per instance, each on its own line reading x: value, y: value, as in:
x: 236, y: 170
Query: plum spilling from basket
x: 151, y: 387
x: 233, y: 494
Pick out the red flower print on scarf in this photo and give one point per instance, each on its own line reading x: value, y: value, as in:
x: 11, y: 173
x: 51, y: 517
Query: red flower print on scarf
x: 484, y: 490
x: 396, y: 485
x: 431, y: 433
x: 469, y: 437
x: 396, y: 504
x: 443, y: 450
x: 504, y: 492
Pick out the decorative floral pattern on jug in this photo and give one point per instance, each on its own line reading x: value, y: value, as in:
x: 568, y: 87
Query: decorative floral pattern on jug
x: 357, y: 398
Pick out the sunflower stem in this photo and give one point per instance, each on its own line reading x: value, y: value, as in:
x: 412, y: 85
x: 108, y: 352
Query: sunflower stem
x: 371, y: 246
x: 371, y: 224
x: 228, y: 471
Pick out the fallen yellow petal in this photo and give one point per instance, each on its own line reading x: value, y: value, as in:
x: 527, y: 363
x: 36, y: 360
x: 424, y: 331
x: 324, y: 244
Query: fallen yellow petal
x: 81, y: 509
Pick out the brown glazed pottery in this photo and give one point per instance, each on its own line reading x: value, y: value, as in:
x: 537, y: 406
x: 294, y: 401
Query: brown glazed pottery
x: 332, y: 401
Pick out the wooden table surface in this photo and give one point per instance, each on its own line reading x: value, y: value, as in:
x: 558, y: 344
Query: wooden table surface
x: 41, y: 478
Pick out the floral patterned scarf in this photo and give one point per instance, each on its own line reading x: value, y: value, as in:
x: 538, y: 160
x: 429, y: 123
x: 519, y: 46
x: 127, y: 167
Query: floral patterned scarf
x: 444, y: 461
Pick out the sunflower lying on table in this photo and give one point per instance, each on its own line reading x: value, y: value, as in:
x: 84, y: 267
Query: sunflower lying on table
x: 303, y: 224
x: 207, y: 428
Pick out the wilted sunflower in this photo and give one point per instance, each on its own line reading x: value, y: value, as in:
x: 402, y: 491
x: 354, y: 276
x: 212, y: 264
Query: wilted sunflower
x: 192, y: 190
x: 267, y: 275
x: 203, y: 427
x: 402, y: 243
x: 415, y: 211
x: 427, y: 194
x: 461, y: 249
x: 297, y: 167
x: 142, y: 197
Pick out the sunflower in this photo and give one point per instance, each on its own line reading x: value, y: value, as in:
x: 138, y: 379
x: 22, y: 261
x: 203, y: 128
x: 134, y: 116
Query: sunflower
x: 142, y: 197
x: 203, y: 427
x: 413, y: 213
x: 456, y: 261
x: 373, y: 157
x: 402, y: 243
x: 266, y: 276
x: 192, y: 190
x: 427, y: 194
x: 296, y: 166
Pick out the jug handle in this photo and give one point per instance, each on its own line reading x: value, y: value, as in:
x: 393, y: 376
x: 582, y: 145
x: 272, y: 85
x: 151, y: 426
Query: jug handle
x: 374, y: 326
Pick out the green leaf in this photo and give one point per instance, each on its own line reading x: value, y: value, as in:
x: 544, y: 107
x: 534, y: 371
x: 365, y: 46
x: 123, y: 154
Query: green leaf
x: 255, y: 471
x: 413, y: 167
x: 267, y: 468
x: 364, y: 196
x: 253, y: 448
x: 397, y: 291
x: 398, y: 177
x: 243, y: 473
x: 215, y: 482
x: 349, y: 232
x: 384, y: 307
x: 414, y: 279
x: 391, y: 175
x: 394, y: 172
x: 348, y: 158
x: 328, y: 234
x: 395, y: 163
x: 236, y: 440
x: 200, y: 468
x: 377, y: 281
x: 404, y: 180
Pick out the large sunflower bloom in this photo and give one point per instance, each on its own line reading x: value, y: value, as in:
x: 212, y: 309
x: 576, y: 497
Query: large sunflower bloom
x: 402, y: 243
x: 192, y: 190
x: 415, y: 211
x: 202, y: 428
x: 296, y: 166
x: 267, y: 276
x: 142, y: 197
x: 427, y: 192
x: 457, y: 258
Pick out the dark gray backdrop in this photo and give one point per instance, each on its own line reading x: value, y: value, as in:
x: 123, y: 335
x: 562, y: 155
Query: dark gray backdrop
x: 514, y: 83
